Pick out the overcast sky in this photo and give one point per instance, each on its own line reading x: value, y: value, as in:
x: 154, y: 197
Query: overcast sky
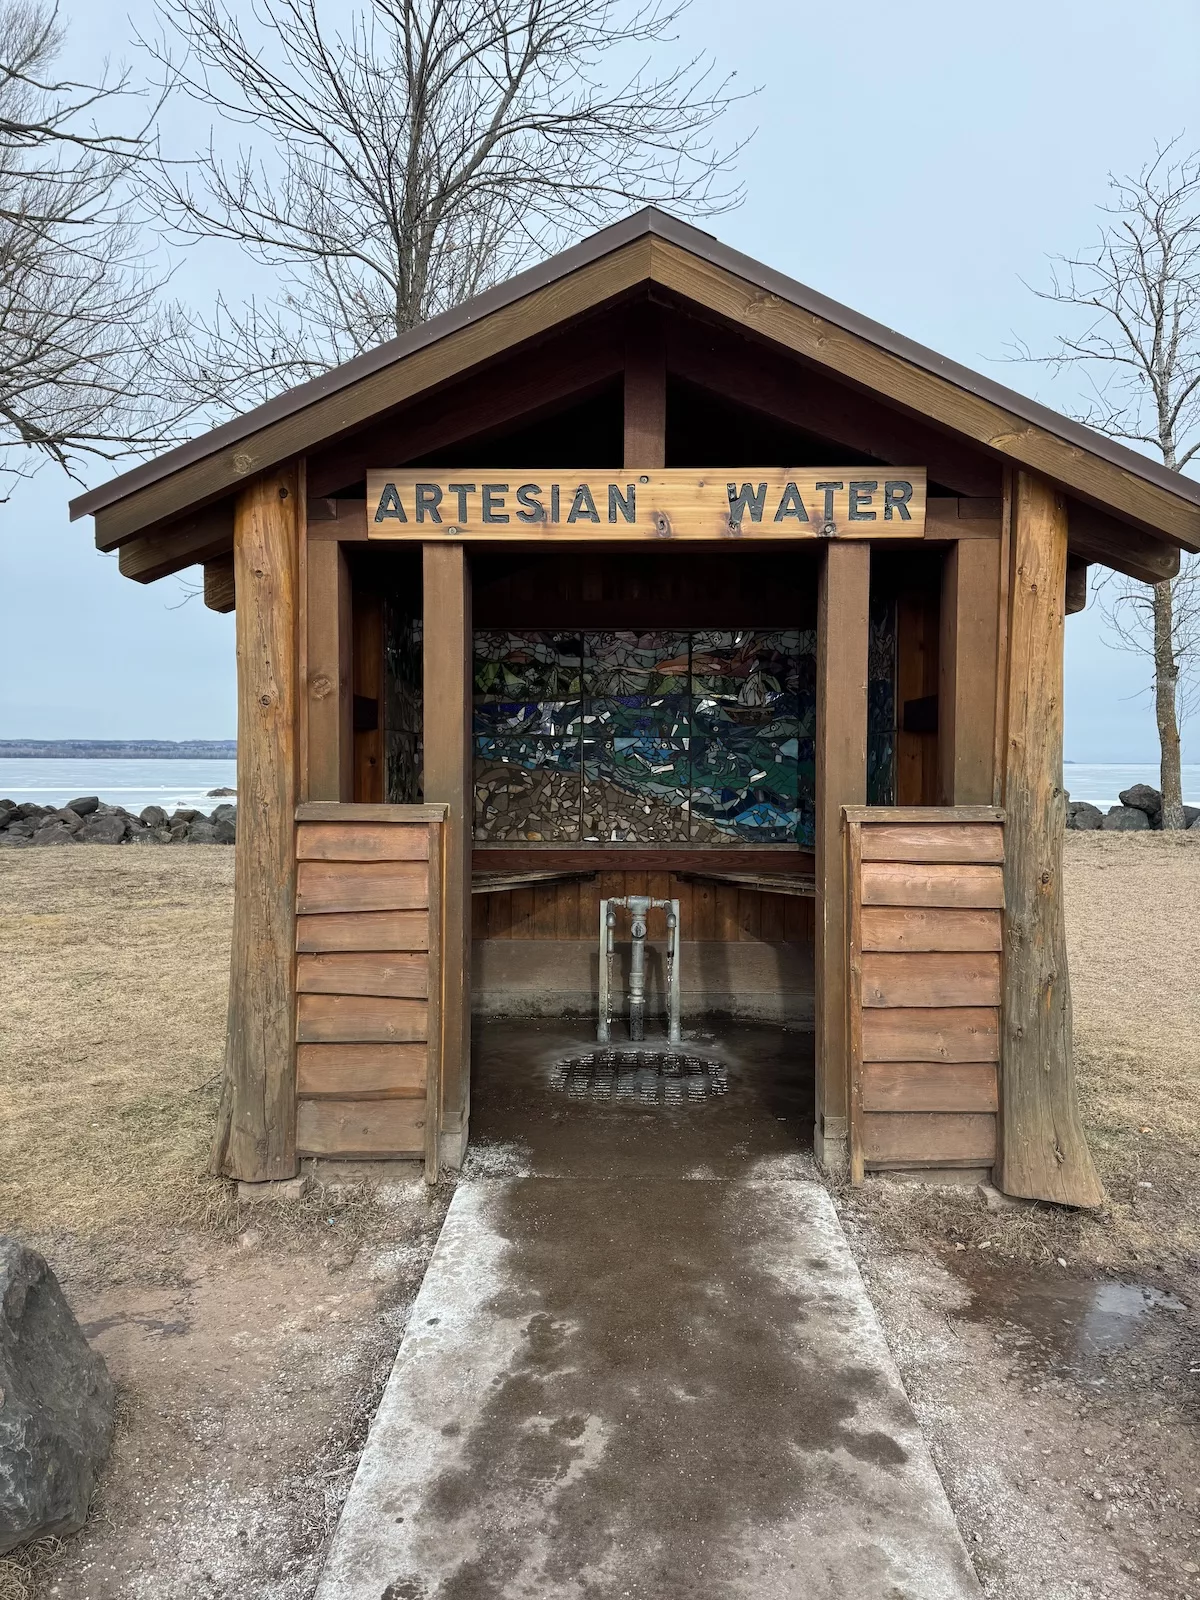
x: 916, y: 162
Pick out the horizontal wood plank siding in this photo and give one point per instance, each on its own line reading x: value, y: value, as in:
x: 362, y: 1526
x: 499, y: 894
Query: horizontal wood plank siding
x: 367, y: 980
x: 926, y: 896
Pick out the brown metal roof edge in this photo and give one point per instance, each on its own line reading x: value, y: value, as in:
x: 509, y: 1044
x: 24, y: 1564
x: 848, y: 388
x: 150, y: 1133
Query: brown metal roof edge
x: 690, y: 238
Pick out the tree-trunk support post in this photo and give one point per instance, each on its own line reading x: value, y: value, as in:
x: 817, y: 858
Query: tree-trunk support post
x: 1043, y: 1154
x: 256, y: 1133
x: 843, y: 628
x: 448, y: 779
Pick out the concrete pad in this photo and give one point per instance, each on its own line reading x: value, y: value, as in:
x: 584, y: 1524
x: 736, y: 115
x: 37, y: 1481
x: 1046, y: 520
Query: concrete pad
x: 667, y: 1387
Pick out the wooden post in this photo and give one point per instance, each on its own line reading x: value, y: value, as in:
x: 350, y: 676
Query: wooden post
x: 256, y: 1134
x: 843, y: 627
x: 329, y: 684
x: 645, y: 392
x: 448, y: 779
x: 1043, y: 1152
x: 967, y: 672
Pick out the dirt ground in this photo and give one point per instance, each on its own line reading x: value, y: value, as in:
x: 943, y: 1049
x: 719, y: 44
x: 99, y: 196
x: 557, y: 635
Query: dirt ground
x: 1053, y: 1358
x: 249, y: 1345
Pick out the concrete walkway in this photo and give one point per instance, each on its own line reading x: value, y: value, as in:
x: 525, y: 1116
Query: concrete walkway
x: 645, y: 1386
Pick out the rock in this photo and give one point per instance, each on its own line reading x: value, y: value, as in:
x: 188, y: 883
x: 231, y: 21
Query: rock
x: 202, y: 831
x: 225, y: 831
x: 1141, y: 797
x: 151, y: 836
x: 1084, y: 816
x: 252, y: 1194
x: 102, y: 829
x: 56, y: 1416
x: 153, y: 816
x: 8, y: 810
x: 178, y: 832
x: 85, y: 806
x: 1190, y: 813
x: 30, y: 808
x: 184, y: 814
x: 994, y: 1200
x: 54, y: 831
x: 217, y: 794
x: 68, y: 818
x: 224, y: 813
x: 22, y: 828
x: 1126, y: 819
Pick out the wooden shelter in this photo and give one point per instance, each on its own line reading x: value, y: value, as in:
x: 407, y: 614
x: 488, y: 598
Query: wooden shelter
x: 652, y: 570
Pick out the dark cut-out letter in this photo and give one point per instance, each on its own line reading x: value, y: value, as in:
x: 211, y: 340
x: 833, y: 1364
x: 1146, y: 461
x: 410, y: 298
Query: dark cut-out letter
x: 861, y: 490
x: 554, y: 507
x: 897, y: 492
x: 493, y: 502
x: 790, y: 505
x: 747, y: 499
x: 429, y: 498
x: 462, y: 490
x: 583, y: 506
x: 829, y: 490
x: 626, y: 503
x: 389, y: 505
x: 534, y: 510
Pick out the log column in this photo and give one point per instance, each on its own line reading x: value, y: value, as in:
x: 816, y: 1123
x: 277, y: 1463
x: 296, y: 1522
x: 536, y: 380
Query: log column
x: 843, y: 628
x: 448, y: 779
x: 645, y: 392
x: 1043, y: 1152
x: 967, y: 672
x: 256, y: 1134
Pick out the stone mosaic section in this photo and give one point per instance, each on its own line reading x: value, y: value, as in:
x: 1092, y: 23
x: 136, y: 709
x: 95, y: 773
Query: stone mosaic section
x: 659, y: 737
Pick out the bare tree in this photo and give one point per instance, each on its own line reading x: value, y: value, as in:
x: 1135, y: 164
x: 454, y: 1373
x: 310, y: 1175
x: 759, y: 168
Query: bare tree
x: 79, y: 315
x: 1139, y: 351
x: 418, y: 152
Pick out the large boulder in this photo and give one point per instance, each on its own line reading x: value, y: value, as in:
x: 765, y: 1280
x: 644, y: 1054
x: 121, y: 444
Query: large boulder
x: 8, y: 810
x: 202, y: 831
x: 102, y: 829
x: 1126, y: 819
x: 144, y: 835
x: 153, y: 816
x: 84, y: 806
x: 30, y: 808
x: 185, y: 814
x: 1083, y: 815
x: 1190, y: 813
x: 56, y: 1405
x: 1141, y: 797
x: 54, y: 831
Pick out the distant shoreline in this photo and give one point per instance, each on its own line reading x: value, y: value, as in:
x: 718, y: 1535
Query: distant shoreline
x: 119, y: 749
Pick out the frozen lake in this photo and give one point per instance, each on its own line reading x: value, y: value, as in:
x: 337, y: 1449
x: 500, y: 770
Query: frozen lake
x: 132, y: 784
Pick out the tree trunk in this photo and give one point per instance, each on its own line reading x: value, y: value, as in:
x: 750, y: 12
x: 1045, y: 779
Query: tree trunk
x: 1166, y: 710
x: 1043, y: 1153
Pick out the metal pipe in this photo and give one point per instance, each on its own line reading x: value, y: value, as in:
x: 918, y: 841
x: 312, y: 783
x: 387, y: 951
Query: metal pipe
x: 638, y: 907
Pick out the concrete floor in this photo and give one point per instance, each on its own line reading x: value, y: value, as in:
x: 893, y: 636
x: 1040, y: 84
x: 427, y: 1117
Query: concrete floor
x: 644, y: 1363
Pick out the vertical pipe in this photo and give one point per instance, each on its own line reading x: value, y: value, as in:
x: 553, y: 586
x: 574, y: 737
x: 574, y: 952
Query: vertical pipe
x: 637, y: 976
x: 603, y: 1010
x: 674, y: 1033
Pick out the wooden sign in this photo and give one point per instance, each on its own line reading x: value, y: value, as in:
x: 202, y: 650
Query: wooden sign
x: 679, y: 503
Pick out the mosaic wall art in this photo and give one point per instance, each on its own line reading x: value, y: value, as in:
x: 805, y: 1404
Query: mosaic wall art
x: 703, y: 737
x: 403, y: 711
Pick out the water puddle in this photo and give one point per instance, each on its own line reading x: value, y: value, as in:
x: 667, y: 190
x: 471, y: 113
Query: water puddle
x: 1070, y: 1326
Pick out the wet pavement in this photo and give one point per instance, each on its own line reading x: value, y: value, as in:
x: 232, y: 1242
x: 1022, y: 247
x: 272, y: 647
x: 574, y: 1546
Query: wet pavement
x: 643, y: 1363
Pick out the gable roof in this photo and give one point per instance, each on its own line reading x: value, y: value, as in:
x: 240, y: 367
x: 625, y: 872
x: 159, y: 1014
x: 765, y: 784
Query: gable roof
x: 651, y: 247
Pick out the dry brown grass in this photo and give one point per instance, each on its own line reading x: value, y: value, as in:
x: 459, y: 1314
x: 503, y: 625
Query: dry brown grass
x: 111, y: 1026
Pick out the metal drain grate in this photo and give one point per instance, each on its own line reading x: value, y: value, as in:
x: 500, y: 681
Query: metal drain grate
x: 644, y: 1077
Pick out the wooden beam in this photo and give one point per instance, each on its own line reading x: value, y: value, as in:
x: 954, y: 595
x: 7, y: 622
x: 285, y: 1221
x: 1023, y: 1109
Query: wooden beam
x: 751, y: 373
x: 1095, y: 536
x: 256, y: 1134
x: 448, y: 781
x: 200, y: 537
x: 336, y: 412
x: 1077, y: 585
x: 843, y: 627
x: 970, y: 622
x: 329, y: 678
x: 645, y: 392
x: 220, y: 591
x: 1043, y: 1154
x: 939, y: 399
x: 505, y: 395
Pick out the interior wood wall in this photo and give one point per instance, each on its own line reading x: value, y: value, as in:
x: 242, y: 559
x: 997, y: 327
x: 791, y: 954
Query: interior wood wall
x: 722, y: 912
